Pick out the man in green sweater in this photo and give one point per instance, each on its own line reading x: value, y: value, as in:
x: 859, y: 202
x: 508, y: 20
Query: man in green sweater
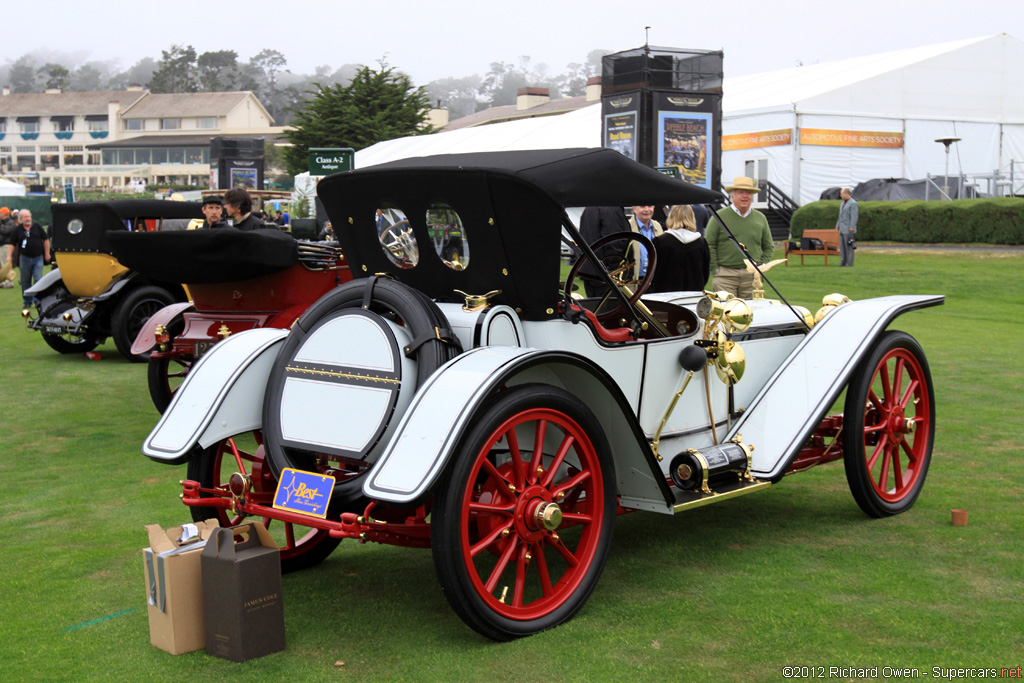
x: 750, y: 228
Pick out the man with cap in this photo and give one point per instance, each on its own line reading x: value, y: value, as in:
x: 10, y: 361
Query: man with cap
x: 750, y: 229
x: 213, y: 209
x: 7, y: 226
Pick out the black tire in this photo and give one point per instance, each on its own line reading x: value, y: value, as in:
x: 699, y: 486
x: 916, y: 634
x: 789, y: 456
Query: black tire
x: 213, y: 466
x: 132, y: 312
x: 475, y: 504
x: 389, y: 299
x: 67, y: 344
x: 165, y: 374
x: 889, y: 426
x: 63, y: 345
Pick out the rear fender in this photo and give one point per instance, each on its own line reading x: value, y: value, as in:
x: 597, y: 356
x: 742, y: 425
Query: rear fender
x: 146, y: 339
x: 444, y: 409
x: 222, y: 395
x: 45, y: 283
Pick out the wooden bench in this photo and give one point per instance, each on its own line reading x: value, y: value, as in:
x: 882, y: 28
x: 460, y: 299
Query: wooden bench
x: 829, y: 238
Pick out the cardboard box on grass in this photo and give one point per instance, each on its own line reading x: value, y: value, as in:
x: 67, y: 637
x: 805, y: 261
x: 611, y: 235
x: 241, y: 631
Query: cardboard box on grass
x: 174, y: 587
x: 244, y: 611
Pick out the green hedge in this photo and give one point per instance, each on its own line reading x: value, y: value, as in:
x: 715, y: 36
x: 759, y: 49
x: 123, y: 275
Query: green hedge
x: 992, y: 221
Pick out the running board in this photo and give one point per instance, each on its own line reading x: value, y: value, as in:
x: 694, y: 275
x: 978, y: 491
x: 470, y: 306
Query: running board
x: 687, y: 500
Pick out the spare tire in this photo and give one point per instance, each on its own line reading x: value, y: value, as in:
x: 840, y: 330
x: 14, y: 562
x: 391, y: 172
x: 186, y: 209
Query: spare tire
x: 347, y: 370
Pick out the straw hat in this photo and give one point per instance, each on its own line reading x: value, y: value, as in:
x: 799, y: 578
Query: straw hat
x: 743, y: 183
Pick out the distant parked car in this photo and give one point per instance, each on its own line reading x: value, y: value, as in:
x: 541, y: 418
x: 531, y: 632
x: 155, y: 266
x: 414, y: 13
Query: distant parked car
x: 236, y: 281
x: 91, y: 296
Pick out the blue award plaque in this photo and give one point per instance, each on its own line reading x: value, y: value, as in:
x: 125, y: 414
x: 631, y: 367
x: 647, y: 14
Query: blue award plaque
x: 306, y: 493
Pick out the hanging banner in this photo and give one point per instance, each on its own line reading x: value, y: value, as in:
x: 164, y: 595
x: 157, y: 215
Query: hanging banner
x: 764, y: 138
x: 850, y: 138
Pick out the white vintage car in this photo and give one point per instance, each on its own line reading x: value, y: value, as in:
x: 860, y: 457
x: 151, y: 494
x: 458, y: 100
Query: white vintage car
x: 460, y: 396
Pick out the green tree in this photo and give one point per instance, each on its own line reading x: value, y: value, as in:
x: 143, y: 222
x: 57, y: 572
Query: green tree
x: 220, y: 72
x: 139, y: 73
x: 268, y: 64
x: 86, y: 78
x: 176, y: 72
x: 23, y: 75
x: 379, y: 104
x: 54, y: 76
x: 457, y: 95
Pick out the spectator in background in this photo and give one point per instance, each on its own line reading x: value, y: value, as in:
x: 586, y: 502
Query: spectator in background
x: 849, y: 212
x: 213, y: 210
x: 33, y: 247
x: 750, y: 228
x: 701, y: 215
x: 238, y: 205
x: 595, y: 223
x: 683, y: 256
x: 643, y: 222
x: 7, y: 226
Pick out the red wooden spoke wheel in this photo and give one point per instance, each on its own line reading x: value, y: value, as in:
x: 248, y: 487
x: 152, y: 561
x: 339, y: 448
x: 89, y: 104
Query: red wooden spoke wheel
x: 889, y: 426
x: 300, y: 546
x: 521, y: 528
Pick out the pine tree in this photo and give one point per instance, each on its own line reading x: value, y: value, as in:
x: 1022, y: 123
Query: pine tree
x: 379, y: 104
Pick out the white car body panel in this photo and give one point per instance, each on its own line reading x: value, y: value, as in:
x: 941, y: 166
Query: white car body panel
x: 221, y: 396
x: 625, y: 363
x: 783, y: 415
x: 494, y: 326
x: 342, y: 416
x: 430, y: 427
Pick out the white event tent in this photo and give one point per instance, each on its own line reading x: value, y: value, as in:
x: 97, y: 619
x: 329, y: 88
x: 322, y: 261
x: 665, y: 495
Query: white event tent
x: 9, y: 188
x: 813, y: 127
x: 826, y: 125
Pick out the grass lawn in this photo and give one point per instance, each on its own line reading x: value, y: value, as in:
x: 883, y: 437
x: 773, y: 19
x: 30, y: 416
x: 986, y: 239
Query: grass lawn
x: 794, y: 576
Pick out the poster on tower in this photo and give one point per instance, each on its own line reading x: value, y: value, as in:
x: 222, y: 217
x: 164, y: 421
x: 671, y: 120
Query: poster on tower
x: 687, y: 131
x: 685, y: 141
x: 620, y: 133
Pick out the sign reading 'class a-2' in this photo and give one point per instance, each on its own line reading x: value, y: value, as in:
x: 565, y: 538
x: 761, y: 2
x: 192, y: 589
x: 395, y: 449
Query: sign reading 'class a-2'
x: 325, y: 161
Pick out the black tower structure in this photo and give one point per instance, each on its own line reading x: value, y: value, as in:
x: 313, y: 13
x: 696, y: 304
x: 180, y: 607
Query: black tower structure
x: 662, y: 106
x: 236, y: 162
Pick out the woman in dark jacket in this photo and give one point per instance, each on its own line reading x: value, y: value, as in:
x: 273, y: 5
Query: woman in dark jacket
x: 684, y: 260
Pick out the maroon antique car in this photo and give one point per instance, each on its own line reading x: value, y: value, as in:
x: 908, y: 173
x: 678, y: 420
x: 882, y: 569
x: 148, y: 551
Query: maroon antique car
x: 235, y: 281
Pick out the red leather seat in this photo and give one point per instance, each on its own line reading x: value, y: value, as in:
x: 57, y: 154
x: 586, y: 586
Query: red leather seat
x: 619, y: 334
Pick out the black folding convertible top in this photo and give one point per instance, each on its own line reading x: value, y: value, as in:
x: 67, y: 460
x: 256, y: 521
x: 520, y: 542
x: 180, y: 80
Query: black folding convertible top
x: 512, y: 208
x: 571, y: 177
x: 97, y: 219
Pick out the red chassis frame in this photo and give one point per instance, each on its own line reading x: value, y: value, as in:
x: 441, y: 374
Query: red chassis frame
x: 409, y: 528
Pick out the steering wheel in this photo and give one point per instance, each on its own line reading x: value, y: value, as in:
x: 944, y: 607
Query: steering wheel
x: 620, y: 266
x: 400, y: 243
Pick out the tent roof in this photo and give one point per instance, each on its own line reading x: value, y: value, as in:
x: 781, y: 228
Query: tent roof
x: 973, y: 79
x: 818, y: 84
x: 580, y: 128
